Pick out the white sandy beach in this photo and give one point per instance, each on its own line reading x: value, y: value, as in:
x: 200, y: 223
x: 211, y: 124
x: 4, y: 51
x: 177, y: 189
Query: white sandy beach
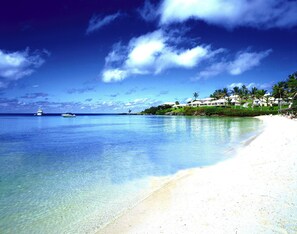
x: 254, y: 192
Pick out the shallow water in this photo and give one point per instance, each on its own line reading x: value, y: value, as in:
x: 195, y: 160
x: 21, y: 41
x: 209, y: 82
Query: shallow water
x: 65, y: 175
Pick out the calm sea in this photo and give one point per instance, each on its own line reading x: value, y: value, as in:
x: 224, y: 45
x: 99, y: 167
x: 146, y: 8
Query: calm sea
x: 74, y: 175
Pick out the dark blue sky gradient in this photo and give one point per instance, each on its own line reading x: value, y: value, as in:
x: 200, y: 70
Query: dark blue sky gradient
x: 70, y: 79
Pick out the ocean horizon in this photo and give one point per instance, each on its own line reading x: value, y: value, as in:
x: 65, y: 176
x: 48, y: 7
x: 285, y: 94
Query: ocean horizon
x: 65, y: 175
x: 58, y: 114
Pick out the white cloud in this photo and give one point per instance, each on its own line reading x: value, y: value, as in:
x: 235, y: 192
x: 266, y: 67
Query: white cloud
x: 232, y: 13
x: 251, y: 85
x: 231, y: 86
x: 246, y: 60
x: 152, y: 53
x: 97, y: 22
x: 248, y: 85
x: 137, y: 104
x: 143, y: 52
x: 148, y: 11
x: 141, y: 103
x: 213, y: 70
x: 16, y: 65
x: 113, y: 75
x: 243, y: 62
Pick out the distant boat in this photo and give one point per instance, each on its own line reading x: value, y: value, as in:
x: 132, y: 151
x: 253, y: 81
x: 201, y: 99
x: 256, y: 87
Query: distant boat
x: 68, y: 115
x: 39, y: 112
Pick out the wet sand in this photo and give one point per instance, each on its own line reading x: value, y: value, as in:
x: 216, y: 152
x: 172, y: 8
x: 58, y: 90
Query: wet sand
x: 254, y: 192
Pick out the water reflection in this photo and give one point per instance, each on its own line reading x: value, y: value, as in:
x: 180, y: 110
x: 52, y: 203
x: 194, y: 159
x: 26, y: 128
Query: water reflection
x: 51, y: 167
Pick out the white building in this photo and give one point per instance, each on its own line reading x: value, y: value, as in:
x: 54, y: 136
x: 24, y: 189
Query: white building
x: 233, y: 99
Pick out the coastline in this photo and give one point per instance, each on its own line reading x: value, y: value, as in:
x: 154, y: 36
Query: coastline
x: 253, y: 192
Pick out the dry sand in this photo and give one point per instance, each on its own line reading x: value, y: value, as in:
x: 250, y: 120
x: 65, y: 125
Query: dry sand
x: 255, y: 192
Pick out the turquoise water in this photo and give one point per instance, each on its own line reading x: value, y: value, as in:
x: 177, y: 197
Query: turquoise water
x: 73, y: 175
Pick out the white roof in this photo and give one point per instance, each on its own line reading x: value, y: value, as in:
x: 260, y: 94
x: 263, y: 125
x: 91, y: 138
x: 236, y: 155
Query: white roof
x: 234, y: 100
x: 234, y: 96
x: 207, y: 99
x: 220, y: 100
x: 207, y: 102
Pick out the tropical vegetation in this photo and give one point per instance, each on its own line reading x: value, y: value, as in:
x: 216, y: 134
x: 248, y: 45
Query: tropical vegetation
x: 284, y: 92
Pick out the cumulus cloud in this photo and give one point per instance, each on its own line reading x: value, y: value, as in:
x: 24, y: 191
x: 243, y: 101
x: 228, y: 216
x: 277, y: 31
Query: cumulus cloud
x: 152, y: 53
x: 232, y: 13
x: 111, y: 74
x: 97, y: 21
x: 16, y: 65
x: 242, y: 62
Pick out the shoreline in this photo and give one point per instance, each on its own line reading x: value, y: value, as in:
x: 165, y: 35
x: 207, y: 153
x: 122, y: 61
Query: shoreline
x: 253, y: 192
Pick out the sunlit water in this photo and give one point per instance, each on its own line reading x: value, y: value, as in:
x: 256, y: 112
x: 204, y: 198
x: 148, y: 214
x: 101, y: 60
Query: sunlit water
x: 73, y: 175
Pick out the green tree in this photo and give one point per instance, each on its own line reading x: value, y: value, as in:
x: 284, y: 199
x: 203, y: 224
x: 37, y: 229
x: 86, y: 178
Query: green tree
x: 253, y: 93
x: 219, y: 93
x: 267, y: 100
x: 260, y: 95
x: 225, y: 92
x: 235, y: 90
x: 244, y: 91
x: 195, y: 95
x: 279, y: 91
x: 292, y: 86
x: 243, y: 94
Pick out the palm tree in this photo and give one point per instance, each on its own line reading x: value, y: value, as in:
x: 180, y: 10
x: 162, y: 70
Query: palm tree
x: 219, y: 93
x: 225, y: 92
x: 260, y: 95
x: 253, y: 93
x: 235, y: 90
x: 245, y: 91
x: 243, y: 94
x: 279, y: 91
x: 292, y: 86
x: 267, y: 97
x: 129, y: 111
x: 195, y: 95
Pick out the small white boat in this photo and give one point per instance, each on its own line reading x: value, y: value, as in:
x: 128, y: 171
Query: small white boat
x: 68, y: 115
x: 39, y: 112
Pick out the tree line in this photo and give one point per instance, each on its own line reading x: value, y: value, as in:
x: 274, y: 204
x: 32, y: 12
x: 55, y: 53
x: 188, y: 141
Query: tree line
x: 286, y: 90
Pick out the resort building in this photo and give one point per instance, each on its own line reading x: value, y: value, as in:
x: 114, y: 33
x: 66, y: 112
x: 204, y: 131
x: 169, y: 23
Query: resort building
x: 233, y: 100
x: 213, y: 102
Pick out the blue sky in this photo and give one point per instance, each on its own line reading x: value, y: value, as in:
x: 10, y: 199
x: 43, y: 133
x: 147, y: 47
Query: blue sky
x: 112, y: 56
